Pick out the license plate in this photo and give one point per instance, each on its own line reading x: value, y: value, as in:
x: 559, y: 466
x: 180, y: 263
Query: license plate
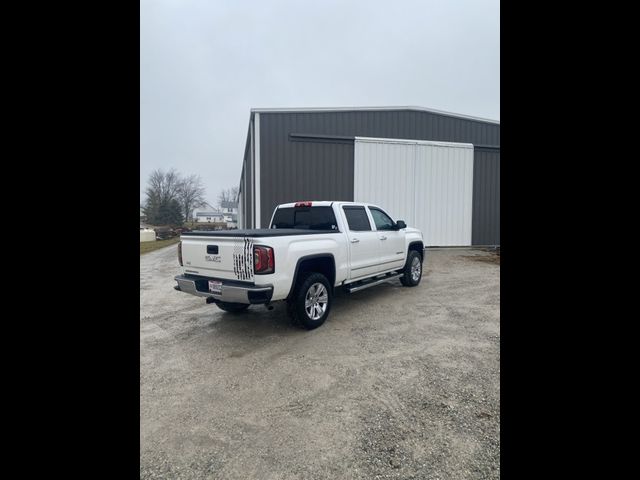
x: 215, y: 286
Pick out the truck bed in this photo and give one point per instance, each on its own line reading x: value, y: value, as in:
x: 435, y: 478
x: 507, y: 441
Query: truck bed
x: 228, y: 254
x: 260, y: 232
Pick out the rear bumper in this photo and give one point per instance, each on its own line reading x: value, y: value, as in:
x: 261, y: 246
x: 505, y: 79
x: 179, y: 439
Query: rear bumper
x: 231, y: 292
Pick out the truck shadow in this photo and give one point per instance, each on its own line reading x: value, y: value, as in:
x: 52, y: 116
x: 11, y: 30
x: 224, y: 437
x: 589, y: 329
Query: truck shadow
x: 258, y: 321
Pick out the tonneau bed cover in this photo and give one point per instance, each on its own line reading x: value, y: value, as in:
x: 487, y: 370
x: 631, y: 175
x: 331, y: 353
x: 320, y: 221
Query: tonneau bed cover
x: 261, y: 232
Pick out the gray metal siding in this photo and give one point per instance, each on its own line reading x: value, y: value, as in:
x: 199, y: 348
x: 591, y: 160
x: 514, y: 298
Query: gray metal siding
x: 319, y: 170
x: 485, y: 224
x: 300, y: 170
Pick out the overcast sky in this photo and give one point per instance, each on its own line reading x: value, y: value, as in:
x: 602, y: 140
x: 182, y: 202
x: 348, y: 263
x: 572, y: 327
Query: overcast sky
x: 204, y: 64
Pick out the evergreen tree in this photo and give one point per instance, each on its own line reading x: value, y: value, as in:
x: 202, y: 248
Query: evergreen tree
x: 173, y: 213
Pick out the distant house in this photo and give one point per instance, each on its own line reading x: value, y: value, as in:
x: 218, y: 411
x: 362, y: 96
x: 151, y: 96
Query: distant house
x: 230, y: 211
x: 229, y: 207
x: 209, y: 217
x: 143, y: 217
x: 206, y: 208
x: 232, y: 220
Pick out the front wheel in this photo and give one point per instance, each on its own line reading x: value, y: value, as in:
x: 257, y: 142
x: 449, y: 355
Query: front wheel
x: 311, y: 301
x: 412, y: 270
x: 232, y: 307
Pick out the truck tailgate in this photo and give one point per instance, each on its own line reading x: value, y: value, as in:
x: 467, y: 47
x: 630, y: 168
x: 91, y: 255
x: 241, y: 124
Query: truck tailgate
x: 219, y: 257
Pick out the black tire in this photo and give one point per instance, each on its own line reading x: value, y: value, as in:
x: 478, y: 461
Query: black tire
x: 408, y: 279
x: 232, y: 307
x: 297, y: 308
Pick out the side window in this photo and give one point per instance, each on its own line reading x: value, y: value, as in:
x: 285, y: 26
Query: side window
x: 357, y: 219
x: 381, y: 219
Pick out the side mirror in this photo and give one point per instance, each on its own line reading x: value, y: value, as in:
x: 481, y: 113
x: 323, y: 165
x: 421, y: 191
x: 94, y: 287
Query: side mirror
x: 400, y: 224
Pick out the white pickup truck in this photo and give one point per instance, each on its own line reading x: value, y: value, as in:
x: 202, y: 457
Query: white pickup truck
x: 309, y: 249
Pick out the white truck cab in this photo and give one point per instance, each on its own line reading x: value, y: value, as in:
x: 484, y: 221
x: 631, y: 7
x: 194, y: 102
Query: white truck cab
x: 309, y: 249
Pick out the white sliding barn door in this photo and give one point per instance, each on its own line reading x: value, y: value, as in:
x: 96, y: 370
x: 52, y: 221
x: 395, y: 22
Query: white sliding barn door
x: 429, y: 185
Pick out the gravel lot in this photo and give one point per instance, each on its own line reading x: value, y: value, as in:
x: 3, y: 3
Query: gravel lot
x: 398, y: 383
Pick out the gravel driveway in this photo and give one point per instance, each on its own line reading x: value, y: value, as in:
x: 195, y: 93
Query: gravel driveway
x: 398, y: 383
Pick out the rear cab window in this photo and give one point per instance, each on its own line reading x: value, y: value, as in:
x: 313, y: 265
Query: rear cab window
x: 357, y: 218
x: 307, y: 218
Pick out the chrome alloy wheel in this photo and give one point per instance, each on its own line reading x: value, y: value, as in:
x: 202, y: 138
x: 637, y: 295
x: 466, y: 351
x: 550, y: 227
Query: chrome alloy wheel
x: 416, y: 269
x: 316, y: 300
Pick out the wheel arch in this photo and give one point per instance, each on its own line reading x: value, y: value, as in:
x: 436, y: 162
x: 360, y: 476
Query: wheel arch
x: 416, y: 246
x: 323, y: 263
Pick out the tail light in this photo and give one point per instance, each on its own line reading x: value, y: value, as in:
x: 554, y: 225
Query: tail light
x: 180, y: 252
x: 263, y: 261
x: 303, y: 204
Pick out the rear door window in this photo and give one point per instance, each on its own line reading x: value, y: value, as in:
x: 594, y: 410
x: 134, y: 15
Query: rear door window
x: 357, y: 219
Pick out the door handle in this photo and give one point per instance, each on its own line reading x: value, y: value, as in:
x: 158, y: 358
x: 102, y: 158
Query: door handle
x: 354, y: 240
x: 383, y: 238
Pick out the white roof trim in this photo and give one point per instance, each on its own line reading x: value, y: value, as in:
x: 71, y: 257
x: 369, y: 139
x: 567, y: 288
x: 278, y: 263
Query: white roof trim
x: 371, y: 109
x: 413, y: 142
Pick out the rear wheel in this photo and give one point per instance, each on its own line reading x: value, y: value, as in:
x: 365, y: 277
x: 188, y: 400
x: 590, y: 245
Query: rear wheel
x: 311, y: 302
x: 412, y: 270
x: 232, y: 307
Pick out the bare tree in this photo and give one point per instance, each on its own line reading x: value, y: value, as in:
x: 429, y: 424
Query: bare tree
x: 163, y: 186
x: 223, y: 196
x: 228, y: 195
x: 191, y: 195
x: 162, y: 197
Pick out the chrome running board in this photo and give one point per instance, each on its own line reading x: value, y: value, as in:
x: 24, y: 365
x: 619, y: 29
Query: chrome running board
x: 362, y: 286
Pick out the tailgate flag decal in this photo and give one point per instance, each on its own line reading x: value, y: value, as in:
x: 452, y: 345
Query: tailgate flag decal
x: 243, y: 259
